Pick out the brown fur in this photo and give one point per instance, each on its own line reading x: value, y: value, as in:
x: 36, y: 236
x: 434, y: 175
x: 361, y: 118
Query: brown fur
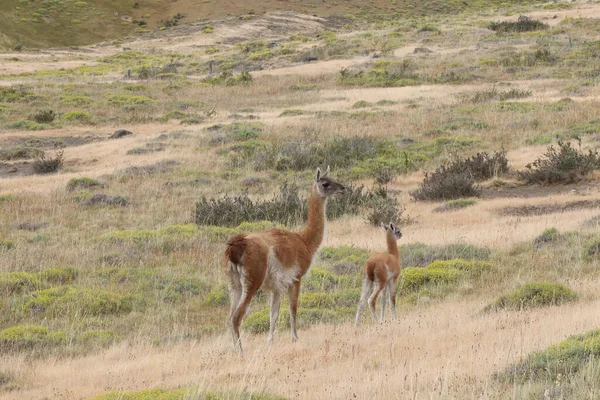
x: 381, y: 272
x: 252, y: 265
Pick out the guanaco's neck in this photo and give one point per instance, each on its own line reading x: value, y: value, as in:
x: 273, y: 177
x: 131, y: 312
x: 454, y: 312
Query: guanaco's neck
x: 315, y: 227
x: 392, y: 245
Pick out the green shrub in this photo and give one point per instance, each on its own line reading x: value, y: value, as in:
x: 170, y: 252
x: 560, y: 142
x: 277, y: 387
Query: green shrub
x: 98, y: 337
x: 345, y: 254
x: 457, y: 178
x: 495, y: 94
x: 453, y: 205
x: 591, y: 251
x: 129, y: 100
x: 178, y: 288
x: 563, y: 165
x: 44, y: 116
x: 77, y: 116
x: 345, y: 297
x: 59, y: 275
x: 29, y: 336
x: 562, y: 359
x: 217, y: 297
x: 419, y: 254
x: 258, y: 322
x: 320, y: 280
x: 362, y: 104
x: 294, y: 112
x: 549, y: 235
x: 441, y: 272
x: 286, y: 208
x: 237, y: 132
x: 48, y: 164
x: 315, y: 300
x: 534, y: 294
x: 75, y: 301
x: 227, y: 78
x: 26, y: 125
x: 18, y: 153
x: 523, y: 25
x: 82, y: 183
x: 18, y: 282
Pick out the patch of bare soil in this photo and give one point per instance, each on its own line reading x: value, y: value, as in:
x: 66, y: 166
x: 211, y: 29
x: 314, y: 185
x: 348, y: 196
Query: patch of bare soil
x: 542, y: 209
x: 16, y: 169
x: 231, y: 31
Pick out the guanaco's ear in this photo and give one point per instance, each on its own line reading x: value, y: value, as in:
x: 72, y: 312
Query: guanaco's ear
x: 391, y: 226
x: 318, y: 174
x: 381, y: 224
x: 326, y: 172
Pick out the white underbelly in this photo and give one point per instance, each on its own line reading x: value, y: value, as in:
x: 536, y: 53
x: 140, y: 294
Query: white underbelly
x: 279, y: 278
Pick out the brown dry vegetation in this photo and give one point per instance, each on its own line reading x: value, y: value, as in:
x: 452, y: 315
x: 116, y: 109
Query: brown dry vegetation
x: 146, y: 306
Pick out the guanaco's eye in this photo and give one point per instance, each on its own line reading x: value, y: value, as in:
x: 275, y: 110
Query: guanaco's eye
x: 325, y: 184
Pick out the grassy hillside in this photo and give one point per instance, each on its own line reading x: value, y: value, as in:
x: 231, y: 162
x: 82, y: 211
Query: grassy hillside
x: 55, y: 23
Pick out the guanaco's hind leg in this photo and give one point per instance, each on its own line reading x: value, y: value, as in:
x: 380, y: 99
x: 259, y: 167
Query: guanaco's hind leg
x: 373, y: 299
x: 293, y: 293
x: 366, y: 291
x: 392, y: 296
x: 275, y: 303
x: 238, y: 315
x: 384, y: 299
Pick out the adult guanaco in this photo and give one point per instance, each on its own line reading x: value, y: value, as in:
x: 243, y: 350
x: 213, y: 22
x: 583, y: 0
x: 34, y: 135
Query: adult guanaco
x: 276, y: 260
x: 381, y: 274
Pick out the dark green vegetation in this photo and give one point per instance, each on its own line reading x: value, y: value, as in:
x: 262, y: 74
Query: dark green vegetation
x: 534, y: 294
x: 564, y: 359
x: 522, y: 25
x: 563, y: 165
x: 458, y: 177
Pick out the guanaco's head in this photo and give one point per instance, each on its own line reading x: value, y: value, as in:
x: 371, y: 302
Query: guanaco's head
x: 393, y: 229
x: 326, y: 186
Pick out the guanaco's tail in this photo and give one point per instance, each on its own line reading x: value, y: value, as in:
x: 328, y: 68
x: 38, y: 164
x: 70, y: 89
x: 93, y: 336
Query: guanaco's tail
x: 236, y: 246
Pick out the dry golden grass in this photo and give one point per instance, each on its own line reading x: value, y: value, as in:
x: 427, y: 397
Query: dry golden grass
x: 444, y: 351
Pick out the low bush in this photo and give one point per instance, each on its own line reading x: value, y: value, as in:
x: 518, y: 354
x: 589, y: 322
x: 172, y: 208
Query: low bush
x: 19, y: 153
x: 523, y: 25
x: 591, y: 250
x: 47, y: 164
x: 82, y: 183
x: 75, y: 301
x: 441, y: 272
x: 44, y: 116
x: 183, y: 394
x: 6, y: 244
x: 286, y: 208
x: 549, y: 235
x: 227, y: 78
x: 59, y: 275
x: 457, y: 178
x: 98, y: 337
x: 217, y: 297
x: 81, y: 117
x: 18, y: 282
x: 236, y: 132
x: 454, y: 205
x: 559, y: 360
x: 29, y: 336
x: 534, y: 294
x: 495, y: 94
x: 563, y: 165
